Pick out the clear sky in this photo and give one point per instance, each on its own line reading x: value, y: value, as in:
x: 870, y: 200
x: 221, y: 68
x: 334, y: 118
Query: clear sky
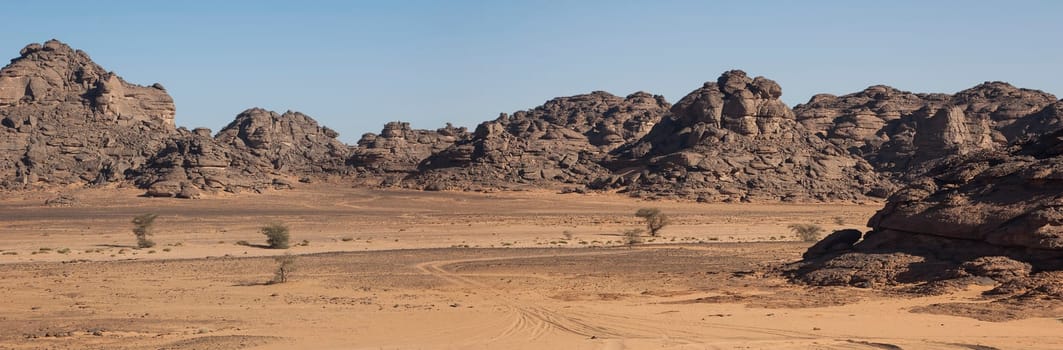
x: 354, y: 65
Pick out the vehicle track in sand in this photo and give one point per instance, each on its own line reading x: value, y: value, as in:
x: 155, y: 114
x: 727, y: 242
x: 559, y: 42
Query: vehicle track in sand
x: 531, y: 321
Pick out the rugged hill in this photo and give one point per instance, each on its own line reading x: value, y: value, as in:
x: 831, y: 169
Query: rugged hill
x: 393, y: 155
x: 560, y: 142
x: 258, y: 150
x: 65, y: 120
x: 990, y: 214
x: 733, y: 140
x: 899, y: 132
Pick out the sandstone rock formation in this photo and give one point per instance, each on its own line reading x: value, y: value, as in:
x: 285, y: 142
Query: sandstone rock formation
x: 991, y: 214
x: 287, y: 143
x: 560, y: 142
x: 257, y: 151
x: 730, y: 140
x: 396, y: 153
x: 733, y: 140
x: 65, y: 120
x: 899, y: 132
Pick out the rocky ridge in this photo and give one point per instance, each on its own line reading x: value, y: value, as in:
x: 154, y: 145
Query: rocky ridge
x: 991, y: 215
x: 388, y: 158
x: 51, y: 89
x: 125, y: 133
x: 730, y: 140
x: 734, y: 140
x: 899, y: 132
x: 559, y: 143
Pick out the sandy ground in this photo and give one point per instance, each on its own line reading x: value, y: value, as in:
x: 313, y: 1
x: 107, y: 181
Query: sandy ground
x: 439, y: 270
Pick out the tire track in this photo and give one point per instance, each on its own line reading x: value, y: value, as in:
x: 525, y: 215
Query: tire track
x: 534, y: 321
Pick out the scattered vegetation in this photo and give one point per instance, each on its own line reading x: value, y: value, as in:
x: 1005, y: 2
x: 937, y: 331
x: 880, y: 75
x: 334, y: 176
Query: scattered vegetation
x: 807, y: 232
x: 285, y: 266
x: 142, y: 228
x: 277, y: 235
x: 347, y: 239
x: 633, y: 236
x: 63, y: 250
x: 655, y: 220
x: 838, y: 220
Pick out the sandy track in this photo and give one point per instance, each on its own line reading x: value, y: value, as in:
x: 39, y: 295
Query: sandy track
x: 416, y: 270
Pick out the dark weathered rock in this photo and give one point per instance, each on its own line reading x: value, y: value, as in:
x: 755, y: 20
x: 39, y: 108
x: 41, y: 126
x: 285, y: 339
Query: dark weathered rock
x: 254, y: 153
x: 287, y: 143
x: 899, y: 132
x: 993, y: 214
x: 734, y: 140
x: 63, y: 200
x: 838, y: 241
x: 560, y: 142
x: 398, y: 150
x: 194, y: 160
x: 64, y: 120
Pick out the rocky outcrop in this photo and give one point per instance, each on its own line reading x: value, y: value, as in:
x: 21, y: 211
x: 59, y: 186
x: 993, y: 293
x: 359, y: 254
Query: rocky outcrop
x: 286, y: 143
x: 259, y: 150
x: 560, y: 142
x: 64, y: 120
x: 396, y: 153
x: 899, y: 132
x: 992, y: 214
x: 734, y: 140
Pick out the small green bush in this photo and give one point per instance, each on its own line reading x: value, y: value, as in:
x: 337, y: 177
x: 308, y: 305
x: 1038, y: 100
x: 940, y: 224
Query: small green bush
x: 285, y: 267
x: 633, y: 236
x: 807, y: 232
x: 655, y: 220
x: 142, y: 228
x: 276, y: 235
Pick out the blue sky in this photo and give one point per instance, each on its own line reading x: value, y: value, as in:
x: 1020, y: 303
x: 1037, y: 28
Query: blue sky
x: 354, y: 65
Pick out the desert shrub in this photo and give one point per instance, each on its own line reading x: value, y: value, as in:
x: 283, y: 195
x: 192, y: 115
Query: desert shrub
x: 655, y: 220
x: 276, y: 235
x: 142, y: 228
x: 285, y: 266
x: 807, y: 232
x: 633, y: 236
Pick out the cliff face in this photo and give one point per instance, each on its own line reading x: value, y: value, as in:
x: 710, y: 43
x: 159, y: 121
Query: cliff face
x: 989, y: 215
x: 898, y: 132
x: 734, y: 140
x: 558, y: 143
x: 65, y: 120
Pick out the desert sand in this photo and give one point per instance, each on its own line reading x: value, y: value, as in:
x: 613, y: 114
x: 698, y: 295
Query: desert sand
x: 394, y: 269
